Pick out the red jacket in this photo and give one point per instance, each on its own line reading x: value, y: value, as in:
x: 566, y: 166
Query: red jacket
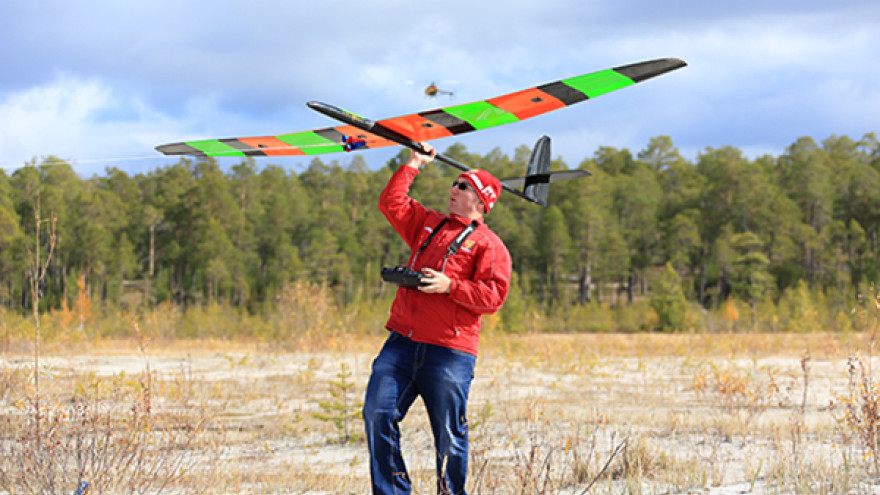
x: 479, y: 271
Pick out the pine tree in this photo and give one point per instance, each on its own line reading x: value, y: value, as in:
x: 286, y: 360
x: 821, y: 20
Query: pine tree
x: 342, y: 409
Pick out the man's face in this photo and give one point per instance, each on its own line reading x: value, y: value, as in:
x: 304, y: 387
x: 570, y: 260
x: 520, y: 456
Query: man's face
x: 463, y: 200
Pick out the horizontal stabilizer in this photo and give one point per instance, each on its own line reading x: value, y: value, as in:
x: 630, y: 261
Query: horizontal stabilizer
x: 548, y: 178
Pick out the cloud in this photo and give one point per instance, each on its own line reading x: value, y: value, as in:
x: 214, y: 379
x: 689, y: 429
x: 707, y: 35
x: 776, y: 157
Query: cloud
x: 98, y: 79
x: 81, y: 121
x: 48, y: 119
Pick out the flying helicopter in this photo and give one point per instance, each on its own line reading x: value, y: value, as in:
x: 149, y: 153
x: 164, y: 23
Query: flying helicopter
x: 432, y: 90
x: 360, y: 133
x: 436, y: 88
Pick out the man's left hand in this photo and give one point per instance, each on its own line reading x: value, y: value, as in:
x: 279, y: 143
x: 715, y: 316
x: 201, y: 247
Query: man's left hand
x: 437, y: 282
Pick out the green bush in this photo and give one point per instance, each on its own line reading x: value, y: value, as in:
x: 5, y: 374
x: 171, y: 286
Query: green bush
x: 668, y: 301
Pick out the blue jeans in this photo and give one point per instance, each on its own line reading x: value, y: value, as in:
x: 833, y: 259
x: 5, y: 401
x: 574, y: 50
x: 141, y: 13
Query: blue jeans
x: 402, y: 371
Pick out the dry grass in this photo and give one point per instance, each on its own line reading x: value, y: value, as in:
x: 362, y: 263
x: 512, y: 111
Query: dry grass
x: 106, y: 435
x: 554, y: 414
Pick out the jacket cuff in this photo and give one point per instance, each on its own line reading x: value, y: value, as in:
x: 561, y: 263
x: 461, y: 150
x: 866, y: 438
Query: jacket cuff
x: 404, y: 166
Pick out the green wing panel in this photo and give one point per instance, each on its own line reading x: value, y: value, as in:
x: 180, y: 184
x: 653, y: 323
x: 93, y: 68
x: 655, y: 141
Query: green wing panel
x: 599, y: 83
x: 481, y: 114
x: 312, y: 143
x: 215, y: 147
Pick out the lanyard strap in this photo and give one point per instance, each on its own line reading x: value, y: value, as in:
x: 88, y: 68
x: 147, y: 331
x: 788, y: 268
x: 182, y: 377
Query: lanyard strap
x: 457, y: 243
x: 428, y: 241
x: 453, y: 248
x: 461, y: 237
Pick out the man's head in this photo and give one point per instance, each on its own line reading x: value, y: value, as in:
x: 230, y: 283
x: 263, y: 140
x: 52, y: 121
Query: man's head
x: 481, y: 191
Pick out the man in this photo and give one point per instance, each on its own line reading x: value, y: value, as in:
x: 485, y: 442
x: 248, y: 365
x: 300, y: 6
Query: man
x: 434, y: 329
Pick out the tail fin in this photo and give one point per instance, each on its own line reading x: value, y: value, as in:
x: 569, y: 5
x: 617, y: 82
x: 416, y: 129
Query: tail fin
x: 535, y: 186
x: 539, y: 165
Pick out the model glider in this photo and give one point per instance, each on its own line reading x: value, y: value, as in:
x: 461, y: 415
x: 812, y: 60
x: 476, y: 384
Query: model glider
x: 359, y: 133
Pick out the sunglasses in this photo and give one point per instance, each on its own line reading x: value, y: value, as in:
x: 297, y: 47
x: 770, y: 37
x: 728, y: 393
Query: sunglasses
x: 461, y: 185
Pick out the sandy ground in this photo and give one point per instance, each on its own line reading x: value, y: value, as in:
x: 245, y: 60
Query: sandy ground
x: 544, y: 420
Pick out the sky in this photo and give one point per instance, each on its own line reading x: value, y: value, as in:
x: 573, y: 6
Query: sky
x: 100, y: 83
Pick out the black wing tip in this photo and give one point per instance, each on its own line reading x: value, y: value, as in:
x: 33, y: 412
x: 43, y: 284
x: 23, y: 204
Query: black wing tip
x: 179, y: 149
x: 667, y: 62
x: 640, y: 71
x: 676, y: 63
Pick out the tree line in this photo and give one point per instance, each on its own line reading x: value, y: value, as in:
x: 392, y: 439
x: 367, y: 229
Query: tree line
x: 190, y: 233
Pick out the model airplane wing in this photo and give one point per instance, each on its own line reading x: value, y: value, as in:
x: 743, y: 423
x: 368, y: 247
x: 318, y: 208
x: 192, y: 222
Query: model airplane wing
x: 438, y: 123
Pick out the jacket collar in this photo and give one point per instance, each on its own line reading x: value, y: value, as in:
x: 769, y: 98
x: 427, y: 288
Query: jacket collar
x: 464, y: 221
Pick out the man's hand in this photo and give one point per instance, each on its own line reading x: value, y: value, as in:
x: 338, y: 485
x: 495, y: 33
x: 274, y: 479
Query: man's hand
x: 418, y: 160
x: 437, y: 282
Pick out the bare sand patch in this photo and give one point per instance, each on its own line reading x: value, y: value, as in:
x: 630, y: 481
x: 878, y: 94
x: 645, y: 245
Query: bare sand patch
x: 718, y: 414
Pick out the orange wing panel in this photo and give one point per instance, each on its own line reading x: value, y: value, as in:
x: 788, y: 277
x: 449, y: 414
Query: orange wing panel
x: 416, y: 127
x: 527, y: 103
x: 272, y: 146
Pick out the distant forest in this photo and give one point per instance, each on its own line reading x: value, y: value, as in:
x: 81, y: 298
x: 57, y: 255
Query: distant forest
x: 729, y: 227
